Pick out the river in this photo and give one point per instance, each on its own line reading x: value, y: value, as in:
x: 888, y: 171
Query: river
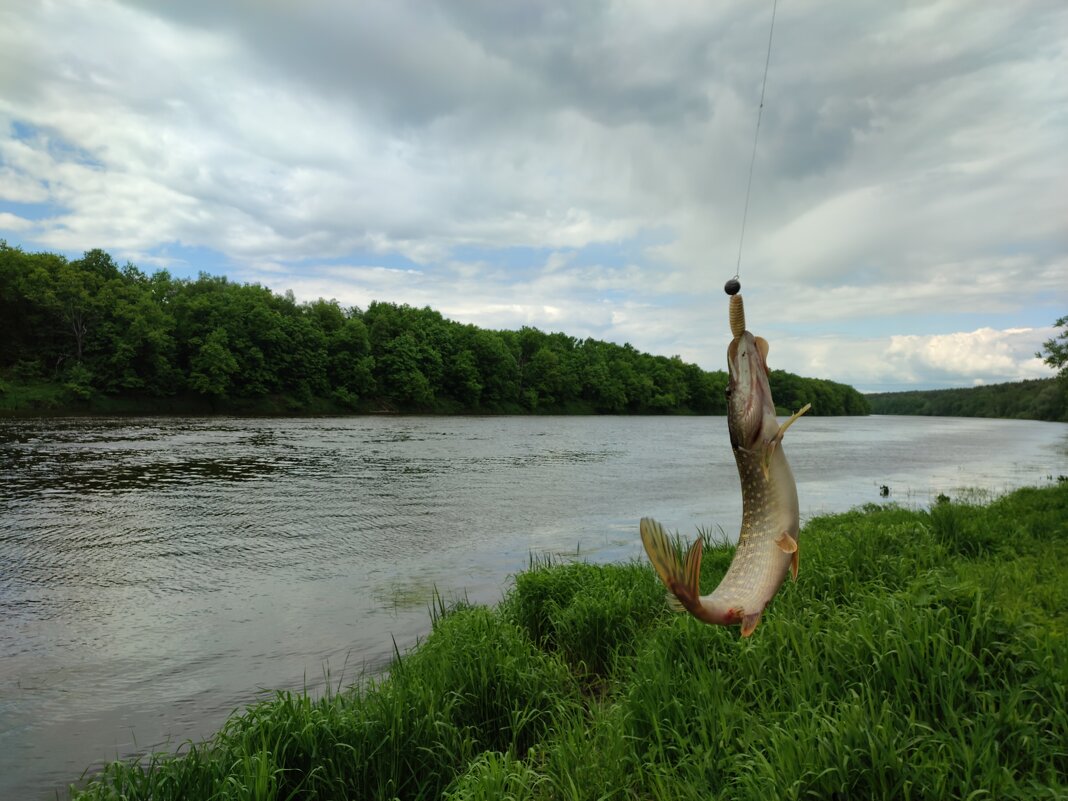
x: 158, y: 573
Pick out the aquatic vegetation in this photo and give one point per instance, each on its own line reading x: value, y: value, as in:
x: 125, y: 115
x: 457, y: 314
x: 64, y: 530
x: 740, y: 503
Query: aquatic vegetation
x: 922, y: 655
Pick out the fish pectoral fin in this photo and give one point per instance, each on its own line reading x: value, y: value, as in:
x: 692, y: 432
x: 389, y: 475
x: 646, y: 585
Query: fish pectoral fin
x: 788, y: 544
x: 771, y: 444
x: 750, y: 622
x: 765, y: 457
x: 791, y: 420
x: 764, y: 348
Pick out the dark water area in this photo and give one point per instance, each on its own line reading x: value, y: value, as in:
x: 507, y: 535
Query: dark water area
x: 158, y: 573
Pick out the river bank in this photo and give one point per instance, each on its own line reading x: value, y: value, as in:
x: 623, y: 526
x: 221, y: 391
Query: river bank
x: 907, y: 662
x: 54, y: 399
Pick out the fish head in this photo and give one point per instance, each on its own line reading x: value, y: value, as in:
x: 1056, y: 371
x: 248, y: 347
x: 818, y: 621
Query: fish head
x: 749, y: 403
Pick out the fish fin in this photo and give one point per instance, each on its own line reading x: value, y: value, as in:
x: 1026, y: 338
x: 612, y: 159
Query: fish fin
x: 791, y: 420
x: 765, y: 457
x: 682, y: 580
x: 771, y: 444
x: 691, y: 573
x: 659, y: 550
x: 674, y: 604
x: 794, y: 563
x: 750, y: 622
x: 763, y: 347
x: 786, y: 543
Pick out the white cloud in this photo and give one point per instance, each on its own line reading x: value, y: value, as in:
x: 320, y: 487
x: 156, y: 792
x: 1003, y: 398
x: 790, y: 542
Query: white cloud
x: 17, y: 186
x: 984, y: 354
x: 964, y: 358
x: 12, y: 222
x: 907, y: 176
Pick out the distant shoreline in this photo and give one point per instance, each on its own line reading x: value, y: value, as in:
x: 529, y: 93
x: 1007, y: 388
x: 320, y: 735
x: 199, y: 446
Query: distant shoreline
x: 1036, y: 399
x: 1044, y: 399
x: 53, y: 399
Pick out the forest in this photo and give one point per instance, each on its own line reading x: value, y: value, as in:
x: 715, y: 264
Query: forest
x: 86, y: 334
x: 1039, y: 399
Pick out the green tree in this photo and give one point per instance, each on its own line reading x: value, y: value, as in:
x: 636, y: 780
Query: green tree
x: 262, y: 340
x: 1055, y: 352
x: 463, y: 379
x: 326, y: 315
x: 212, y: 366
x: 600, y: 386
x: 98, y: 329
x: 33, y: 334
x: 304, y: 370
x: 706, y: 390
x: 350, y: 365
x: 79, y: 381
x: 545, y: 375
x: 133, y: 346
x: 497, y: 366
x: 671, y: 390
x: 399, y: 375
x: 75, y: 298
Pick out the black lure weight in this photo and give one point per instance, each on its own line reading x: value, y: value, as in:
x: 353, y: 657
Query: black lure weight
x: 732, y: 287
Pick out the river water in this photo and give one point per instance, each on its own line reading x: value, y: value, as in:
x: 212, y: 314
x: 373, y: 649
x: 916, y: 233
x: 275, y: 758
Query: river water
x: 158, y: 573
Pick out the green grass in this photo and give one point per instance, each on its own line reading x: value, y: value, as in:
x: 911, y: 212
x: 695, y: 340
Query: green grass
x: 921, y: 655
x: 31, y: 397
x: 35, y: 397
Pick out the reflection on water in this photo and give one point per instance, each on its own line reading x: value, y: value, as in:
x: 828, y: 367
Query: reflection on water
x: 157, y: 573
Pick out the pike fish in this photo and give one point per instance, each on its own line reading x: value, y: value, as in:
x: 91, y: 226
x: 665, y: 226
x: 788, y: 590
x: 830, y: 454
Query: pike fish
x: 767, y: 545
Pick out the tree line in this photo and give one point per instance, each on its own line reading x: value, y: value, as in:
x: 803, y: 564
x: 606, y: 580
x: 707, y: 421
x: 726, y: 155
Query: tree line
x: 101, y: 330
x: 1038, y: 399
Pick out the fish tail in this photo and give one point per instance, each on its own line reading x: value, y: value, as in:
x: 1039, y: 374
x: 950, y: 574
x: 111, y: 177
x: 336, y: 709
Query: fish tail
x: 682, y: 579
x: 691, y: 571
x: 661, y: 552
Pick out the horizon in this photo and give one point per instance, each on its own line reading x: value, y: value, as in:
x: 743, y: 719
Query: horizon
x: 576, y: 169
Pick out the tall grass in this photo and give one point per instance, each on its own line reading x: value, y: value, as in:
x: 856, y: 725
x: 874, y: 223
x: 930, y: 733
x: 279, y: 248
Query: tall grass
x: 921, y: 655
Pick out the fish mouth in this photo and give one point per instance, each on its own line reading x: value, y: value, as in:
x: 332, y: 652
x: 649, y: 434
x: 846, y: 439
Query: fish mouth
x: 748, y: 392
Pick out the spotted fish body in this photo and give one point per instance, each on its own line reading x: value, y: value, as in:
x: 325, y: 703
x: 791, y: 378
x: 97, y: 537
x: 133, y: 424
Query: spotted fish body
x: 767, y: 545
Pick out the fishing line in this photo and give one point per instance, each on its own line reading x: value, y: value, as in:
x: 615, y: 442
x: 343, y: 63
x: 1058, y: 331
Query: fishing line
x: 733, y: 284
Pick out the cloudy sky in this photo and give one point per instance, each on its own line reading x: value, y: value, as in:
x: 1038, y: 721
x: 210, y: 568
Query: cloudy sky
x: 574, y: 166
